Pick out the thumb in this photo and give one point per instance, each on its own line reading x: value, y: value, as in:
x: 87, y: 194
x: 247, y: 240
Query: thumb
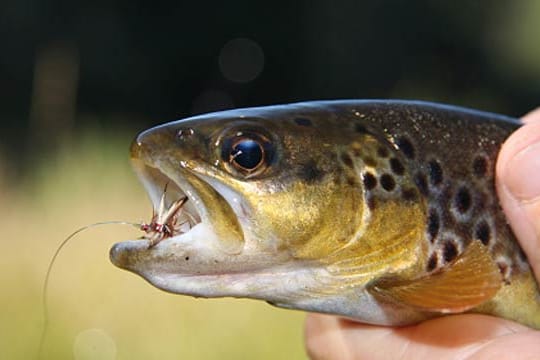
x: 518, y: 186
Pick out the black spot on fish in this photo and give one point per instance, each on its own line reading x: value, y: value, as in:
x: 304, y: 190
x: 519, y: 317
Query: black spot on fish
x: 370, y: 181
x: 421, y: 182
x: 483, y: 232
x: 480, y: 166
x: 409, y: 194
x: 310, y: 172
x: 359, y: 128
x: 186, y: 258
x: 387, y: 182
x: 432, y: 262
x: 406, y: 146
x: 303, y: 122
x: 434, y: 224
x: 382, y: 152
x: 435, y: 172
x: 397, y: 166
x: 463, y: 200
x: 449, y: 251
x: 347, y: 160
x: 369, y: 161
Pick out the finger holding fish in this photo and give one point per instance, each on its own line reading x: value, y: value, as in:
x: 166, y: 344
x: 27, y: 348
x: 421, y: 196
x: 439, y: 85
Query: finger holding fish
x: 518, y: 185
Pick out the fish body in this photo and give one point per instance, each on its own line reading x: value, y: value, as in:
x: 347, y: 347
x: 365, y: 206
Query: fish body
x: 380, y: 211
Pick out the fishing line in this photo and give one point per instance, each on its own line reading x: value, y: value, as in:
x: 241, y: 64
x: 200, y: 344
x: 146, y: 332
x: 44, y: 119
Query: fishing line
x: 44, y: 291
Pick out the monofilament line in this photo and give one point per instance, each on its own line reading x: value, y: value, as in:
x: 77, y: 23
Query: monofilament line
x: 49, y: 270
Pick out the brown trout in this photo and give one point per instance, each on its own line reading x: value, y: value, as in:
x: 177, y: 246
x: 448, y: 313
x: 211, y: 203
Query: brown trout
x: 379, y: 211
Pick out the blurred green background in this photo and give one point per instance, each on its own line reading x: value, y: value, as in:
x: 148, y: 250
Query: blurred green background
x: 79, y: 79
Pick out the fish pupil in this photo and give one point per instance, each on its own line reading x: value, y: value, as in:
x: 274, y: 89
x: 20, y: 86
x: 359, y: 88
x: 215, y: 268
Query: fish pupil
x: 247, y: 154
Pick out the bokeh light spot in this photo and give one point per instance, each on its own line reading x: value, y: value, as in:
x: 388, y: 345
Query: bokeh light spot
x: 94, y: 344
x: 241, y: 60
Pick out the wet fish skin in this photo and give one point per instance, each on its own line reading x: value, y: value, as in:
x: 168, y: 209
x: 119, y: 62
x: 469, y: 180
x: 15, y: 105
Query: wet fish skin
x: 381, y: 211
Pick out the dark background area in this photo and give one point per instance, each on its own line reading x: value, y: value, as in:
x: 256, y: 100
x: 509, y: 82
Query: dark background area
x: 68, y: 65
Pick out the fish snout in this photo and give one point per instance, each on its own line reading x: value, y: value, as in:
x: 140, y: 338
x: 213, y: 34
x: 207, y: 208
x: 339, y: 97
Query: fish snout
x: 147, y: 143
x: 127, y: 254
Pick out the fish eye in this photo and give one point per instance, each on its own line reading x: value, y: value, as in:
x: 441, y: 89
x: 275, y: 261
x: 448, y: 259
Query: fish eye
x: 247, y: 155
x: 247, y: 152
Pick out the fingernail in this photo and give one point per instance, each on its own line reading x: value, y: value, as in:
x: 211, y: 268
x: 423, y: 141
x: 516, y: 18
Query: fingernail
x: 523, y: 174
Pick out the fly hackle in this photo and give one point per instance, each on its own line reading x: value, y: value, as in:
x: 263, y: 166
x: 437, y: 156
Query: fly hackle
x: 167, y: 221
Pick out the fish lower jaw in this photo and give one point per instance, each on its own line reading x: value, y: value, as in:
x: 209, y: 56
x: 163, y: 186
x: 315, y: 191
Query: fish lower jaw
x: 286, y: 287
x: 274, y: 285
x: 189, y: 265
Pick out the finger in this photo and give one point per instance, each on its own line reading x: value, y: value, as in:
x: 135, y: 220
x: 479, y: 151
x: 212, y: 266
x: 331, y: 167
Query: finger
x: 328, y: 337
x: 324, y: 338
x: 331, y: 337
x: 518, y: 185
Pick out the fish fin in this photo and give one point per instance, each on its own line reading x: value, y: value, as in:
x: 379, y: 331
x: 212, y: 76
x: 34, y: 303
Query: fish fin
x: 468, y: 281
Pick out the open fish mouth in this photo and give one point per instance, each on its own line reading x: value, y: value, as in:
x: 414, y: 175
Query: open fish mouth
x: 174, y: 212
x: 186, y: 209
x: 193, y: 227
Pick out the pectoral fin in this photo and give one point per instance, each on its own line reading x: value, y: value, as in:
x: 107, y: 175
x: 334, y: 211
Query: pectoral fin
x: 468, y: 281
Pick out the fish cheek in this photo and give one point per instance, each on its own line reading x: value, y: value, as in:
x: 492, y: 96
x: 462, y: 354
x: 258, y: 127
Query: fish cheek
x: 311, y: 219
x: 340, y: 210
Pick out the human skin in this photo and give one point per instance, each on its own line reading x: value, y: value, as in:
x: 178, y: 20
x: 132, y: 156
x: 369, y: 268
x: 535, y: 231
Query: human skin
x: 468, y: 336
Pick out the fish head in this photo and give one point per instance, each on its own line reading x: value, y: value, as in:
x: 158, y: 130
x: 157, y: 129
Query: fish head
x: 268, y: 198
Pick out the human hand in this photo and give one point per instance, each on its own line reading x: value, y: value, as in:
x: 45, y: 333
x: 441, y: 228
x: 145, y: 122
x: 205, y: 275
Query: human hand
x: 467, y: 336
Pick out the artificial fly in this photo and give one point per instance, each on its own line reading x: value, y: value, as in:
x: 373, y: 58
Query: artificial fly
x: 164, y: 224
